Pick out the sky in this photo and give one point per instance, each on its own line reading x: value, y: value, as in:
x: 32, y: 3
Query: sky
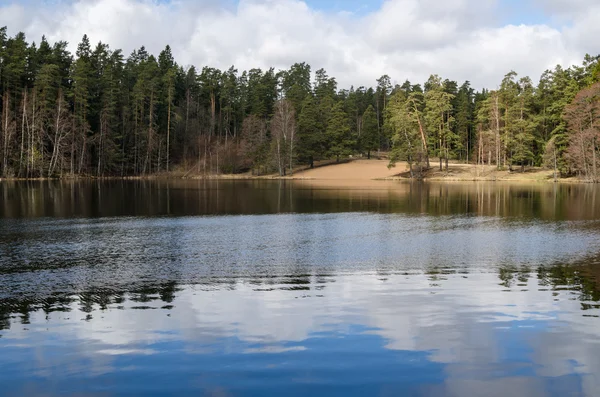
x: 356, y: 41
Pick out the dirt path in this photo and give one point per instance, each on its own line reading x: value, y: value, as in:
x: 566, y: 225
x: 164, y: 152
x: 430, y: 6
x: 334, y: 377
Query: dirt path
x: 354, y: 170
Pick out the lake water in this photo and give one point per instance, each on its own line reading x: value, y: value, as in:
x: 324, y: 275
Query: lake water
x: 258, y: 288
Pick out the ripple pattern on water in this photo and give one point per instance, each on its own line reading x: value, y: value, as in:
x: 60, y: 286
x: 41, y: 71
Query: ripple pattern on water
x: 415, y: 290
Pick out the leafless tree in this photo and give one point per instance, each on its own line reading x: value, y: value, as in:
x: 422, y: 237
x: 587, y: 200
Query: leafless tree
x: 283, y: 129
x: 583, y: 117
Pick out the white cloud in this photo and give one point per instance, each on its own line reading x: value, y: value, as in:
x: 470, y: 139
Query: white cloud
x: 566, y: 7
x: 458, y: 39
x: 461, y: 321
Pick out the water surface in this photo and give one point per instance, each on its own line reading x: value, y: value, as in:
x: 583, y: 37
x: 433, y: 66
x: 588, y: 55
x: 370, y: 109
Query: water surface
x: 256, y: 288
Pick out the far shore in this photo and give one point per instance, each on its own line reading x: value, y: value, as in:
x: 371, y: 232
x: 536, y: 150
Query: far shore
x: 364, y: 170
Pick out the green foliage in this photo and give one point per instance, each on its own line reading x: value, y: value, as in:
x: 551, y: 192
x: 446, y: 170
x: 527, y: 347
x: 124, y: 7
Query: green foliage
x: 310, y: 132
x: 340, y: 142
x: 464, y: 121
x: 404, y: 118
x: 438, y: 117
x: 99, y: 112
x: 325, y: 86
x: 369, y: 137
x: 295, y: 84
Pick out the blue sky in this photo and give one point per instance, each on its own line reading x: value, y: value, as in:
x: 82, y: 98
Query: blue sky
x: 355, y: 6
x: 508, y: 11
x: 522, y: 12
x: 514, y: 12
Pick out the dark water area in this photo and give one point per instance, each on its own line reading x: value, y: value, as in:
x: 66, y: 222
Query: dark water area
x: 271, y: 288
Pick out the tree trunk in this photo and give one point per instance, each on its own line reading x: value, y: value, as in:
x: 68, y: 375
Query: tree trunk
x: 594, y: 160
x: 441, y: 151
x: 467, y: 154
x: 378, y: 123
x: 81, y: 156
x: 187, y: 119
x: 423, y: 138
x: 447, y: 155
x: 585, y: 163
x: 169, y: 128
x: 99, y: 168
x: 212, y: 112
x: 279, y: 156
x: 555, y: 168
x: 56, y: 142
x: 5, y: 134
x: 30, y: 161
x: 158, y: 156
x: 73, y: 149
x: 497, y: 117
x: 291, y: 149
x: 149, y: 135
x: 23, y: 133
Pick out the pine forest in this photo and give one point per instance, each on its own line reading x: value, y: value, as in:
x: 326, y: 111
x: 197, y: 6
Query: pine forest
x: 101, y: 113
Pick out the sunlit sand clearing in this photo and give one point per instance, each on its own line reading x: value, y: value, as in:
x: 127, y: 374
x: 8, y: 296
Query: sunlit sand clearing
x: 377, y: 170
x: 354, y: 170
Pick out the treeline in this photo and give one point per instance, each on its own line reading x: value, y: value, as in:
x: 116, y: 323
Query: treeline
x: 100, y: 113
x: 555, y: 124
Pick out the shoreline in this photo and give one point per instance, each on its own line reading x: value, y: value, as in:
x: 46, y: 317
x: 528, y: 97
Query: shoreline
x: 354, y: 171
x: 237, y: 177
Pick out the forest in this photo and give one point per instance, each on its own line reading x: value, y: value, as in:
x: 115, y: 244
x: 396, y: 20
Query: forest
x: 101, y: 113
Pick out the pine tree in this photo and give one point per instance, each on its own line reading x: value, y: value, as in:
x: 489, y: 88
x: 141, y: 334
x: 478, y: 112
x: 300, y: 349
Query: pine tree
x: 94, y: 113
x: 310, y: 132
x: 369, y: 139
x: 438, y: 116
x: 338, y: 133
x: 464, y: 120
x: 525, y: 125
x: 296, y: 85
x: 406, y: 134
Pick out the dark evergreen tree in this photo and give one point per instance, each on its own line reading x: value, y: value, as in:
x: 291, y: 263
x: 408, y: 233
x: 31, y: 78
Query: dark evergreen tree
x: 339, y: 140
x: 96, y: 113
x: 369, y: 139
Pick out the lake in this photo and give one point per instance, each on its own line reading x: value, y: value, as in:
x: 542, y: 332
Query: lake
x: 296, y: 288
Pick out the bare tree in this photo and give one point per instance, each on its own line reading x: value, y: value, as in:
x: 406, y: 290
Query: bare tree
x: 583, y: 117
x: 283, y: 129
x: 8, y: 129
x: 254, y: 144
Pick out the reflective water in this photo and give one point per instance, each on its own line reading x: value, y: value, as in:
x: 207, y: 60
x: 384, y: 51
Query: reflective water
x: 152, y: 288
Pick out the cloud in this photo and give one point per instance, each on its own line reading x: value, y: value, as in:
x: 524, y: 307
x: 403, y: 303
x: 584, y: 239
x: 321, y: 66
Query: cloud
x: 407, y: 39
x: 566, y: 7
x: 467, y: 323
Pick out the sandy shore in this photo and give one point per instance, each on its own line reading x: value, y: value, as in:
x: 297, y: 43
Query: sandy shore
x: 354, y: 170
x: 378, y: 170
x: 361, y: 171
